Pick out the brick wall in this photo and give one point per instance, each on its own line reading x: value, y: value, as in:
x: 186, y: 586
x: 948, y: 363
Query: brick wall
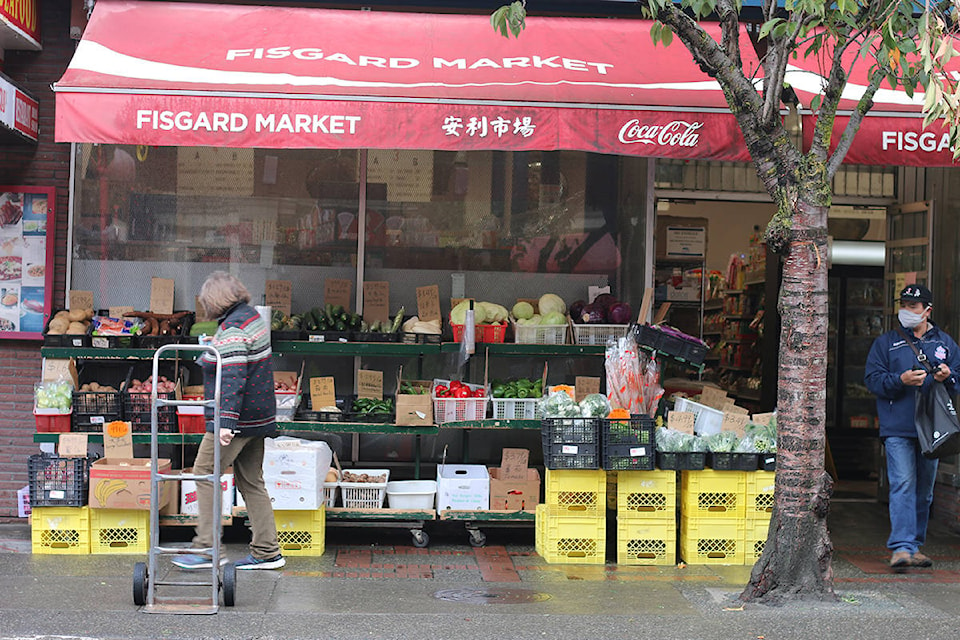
x: 46, y: 164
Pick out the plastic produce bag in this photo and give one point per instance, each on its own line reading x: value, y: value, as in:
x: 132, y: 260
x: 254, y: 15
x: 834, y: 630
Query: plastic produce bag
x: 673, y: 441
x: 633, y: 377
x: 559, y: 404
x: 723, y: 442
x: 53, y: 395
x: 595, y: 405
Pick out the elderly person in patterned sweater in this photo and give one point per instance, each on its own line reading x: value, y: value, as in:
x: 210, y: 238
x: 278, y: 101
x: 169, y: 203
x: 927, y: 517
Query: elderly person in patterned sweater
x: 247, y: 416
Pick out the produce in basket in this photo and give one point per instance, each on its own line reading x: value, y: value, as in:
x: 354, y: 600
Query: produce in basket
x: 362, y: 477
x: 673, y: 441
x: 372, y: 406
x: 559, y: 404
x: 53, y: 395
x: 416, y: 325
x: 596, y: 405
x: 519, y: 389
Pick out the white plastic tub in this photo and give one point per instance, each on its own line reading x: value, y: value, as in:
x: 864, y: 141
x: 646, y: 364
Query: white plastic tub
x: 411, y: 494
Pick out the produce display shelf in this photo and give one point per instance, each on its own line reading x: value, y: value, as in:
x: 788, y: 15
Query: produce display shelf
x: 488, y: 515
x: 513, y: 349
x: 355, y: 348
x: 112, y: 354
x: 293, y: 428
x: 342, y: 513
x: 138, y: 438
x: 493, y: 424
x: 187, y: 520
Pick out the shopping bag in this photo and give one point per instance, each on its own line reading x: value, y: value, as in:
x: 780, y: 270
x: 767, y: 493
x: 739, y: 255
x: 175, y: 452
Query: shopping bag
x: 937, y: 426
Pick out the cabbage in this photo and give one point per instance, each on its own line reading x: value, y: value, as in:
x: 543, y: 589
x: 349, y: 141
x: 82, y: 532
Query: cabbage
x: 496, y: 312
x: 554, y: 318
x: 559, y: 404
x: 595, y: 405
x: 523, y: 310
x: 551, y: 303
x: 458, y: 315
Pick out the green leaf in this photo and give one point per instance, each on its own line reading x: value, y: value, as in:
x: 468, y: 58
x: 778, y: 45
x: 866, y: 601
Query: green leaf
x: 767, y: 26
x: 815, y: 103
x: 666, y: 36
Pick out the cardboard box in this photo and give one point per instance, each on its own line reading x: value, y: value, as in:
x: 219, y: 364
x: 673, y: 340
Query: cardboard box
x: 124, y: 483
x: 415, y: 410
x: 514, y: 495
x: 294, y: 471
x: 188, y: 494
x: 463, y: 486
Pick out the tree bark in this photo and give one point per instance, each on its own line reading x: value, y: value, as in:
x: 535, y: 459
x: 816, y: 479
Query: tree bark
x: 796, y: 560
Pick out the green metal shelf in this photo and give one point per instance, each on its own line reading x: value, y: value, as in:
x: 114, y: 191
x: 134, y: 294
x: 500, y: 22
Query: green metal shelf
x: 487, y: 515
x: 94, y: 353
x: 492, y: 424
x: 138, y: 438
x: 355, y: 348
x: 512, y: 349
x: 293, y: 428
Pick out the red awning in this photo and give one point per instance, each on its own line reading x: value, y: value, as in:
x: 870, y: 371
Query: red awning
x: 280, y: 77
x: 892, y: 133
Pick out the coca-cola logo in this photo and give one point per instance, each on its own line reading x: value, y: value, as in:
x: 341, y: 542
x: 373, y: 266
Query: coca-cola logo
x: 678, y: 133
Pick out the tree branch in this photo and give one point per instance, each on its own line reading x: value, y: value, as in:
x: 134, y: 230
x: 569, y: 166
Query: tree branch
x: 853, y: 125
x: 730, y: 25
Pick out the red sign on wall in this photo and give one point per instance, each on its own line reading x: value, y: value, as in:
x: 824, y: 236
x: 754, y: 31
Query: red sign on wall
x: 22, y: 17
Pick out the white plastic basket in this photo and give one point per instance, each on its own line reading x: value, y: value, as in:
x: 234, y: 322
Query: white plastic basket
x: 539, y: 333
x: 287, y: 403
x: 458, y: 409
x: 597, y: 334
x: 516, y: 408
x: 412, y: 494
x: 706, y: 421
x: 330, y: 494
x: 365, y: 495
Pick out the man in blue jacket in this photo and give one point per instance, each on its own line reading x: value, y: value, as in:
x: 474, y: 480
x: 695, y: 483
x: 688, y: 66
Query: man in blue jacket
x: 894, y: 374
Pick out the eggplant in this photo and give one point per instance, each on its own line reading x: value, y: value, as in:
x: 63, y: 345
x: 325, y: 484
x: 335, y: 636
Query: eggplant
x: 594, y: 314
x: 576, y: 310
x: 605, y: 300
x: 619, y: 313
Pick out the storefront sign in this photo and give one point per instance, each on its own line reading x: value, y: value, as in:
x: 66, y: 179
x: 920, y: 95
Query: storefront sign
x: 686, y: 242
x: 408, y: 174
x: 18, y: 111
x: 26, y: 260
x: 212, y: 171
x: 22, y: 19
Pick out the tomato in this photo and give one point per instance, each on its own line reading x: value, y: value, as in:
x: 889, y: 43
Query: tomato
x: 462, y: 392
x: 442, y: 391
x: 480, y: 393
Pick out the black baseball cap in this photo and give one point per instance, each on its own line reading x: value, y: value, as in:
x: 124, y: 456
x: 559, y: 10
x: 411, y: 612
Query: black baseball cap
x: 916, y: 293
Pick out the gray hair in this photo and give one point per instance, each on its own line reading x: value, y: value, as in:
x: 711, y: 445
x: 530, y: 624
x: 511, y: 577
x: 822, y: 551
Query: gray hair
x: 219, y: 292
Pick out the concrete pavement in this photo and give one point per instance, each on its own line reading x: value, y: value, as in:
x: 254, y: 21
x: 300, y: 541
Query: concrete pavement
x: 373, y: 584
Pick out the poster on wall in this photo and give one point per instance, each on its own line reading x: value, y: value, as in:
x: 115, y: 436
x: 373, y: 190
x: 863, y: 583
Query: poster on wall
x: 26, y: 260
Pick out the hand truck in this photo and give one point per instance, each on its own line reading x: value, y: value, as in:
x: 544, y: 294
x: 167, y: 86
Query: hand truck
x: 144, y: 588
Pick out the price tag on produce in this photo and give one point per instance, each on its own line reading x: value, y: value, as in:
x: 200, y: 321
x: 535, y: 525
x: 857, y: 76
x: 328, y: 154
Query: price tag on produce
x: 72, y: 445
x: 762, y: 419
x: 428, y: 302
x: 681, y: 421
x: 323, y: 393
x: 376, y: 301
x: 370, y: 384
x: 119, y: 312
x: 278, y: 294
x: 337, y: 292
x: 81, y: 300
x: 513, y: 464
x: 713, y: 397
x: 161, y: 295
x: 732, y: 408
x: 736, y: 422
x: 586, y: 385
x: 117, y: 440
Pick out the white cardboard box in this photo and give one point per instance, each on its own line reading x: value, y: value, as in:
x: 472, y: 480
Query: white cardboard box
x: 463, y: 486
x: 23, y: 502
x: 188, y: 495
x: 294, y: 471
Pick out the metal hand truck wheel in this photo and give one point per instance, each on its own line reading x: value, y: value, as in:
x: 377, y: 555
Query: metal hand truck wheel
x: 145, y: 580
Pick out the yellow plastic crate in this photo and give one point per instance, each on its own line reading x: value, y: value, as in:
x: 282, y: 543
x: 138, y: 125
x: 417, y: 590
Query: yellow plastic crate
x: 540, y: 534
x: 652, y: 541
x: 63, y: 530
x: 755, y: 539
x: 574, y: 539
x: 578, y: 492
x: 119, y: 531
x: 760, y: 485
x: 647, y: 494
x: 301, y: 533
x: 713, y: 494
x: 712, y: 540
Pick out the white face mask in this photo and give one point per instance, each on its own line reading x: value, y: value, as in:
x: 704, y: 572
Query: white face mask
x: 909, y: 319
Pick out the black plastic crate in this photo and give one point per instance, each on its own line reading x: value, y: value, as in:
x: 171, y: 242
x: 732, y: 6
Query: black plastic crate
x: 767, y: 461
x: 93, y: 409
x: 58, y: 482
x: 368, y: 418
x: 306, y: 412
x: 287, y: 335
x: 682, y: 461
x: 571, y: 443
x: 648, y: 336
x: 375, y: 336
x: 113, y: 342
x: 329, y: 336
x: 694, y: 352
x: 155, y: 342
x: 628, y: 443
x: 136, y: 410
x: 732, y: 461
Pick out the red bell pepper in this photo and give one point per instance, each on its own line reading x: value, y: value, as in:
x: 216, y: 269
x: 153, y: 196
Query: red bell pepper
x: 462, y: 392
x: 480, y: 393
x: 442, y: 391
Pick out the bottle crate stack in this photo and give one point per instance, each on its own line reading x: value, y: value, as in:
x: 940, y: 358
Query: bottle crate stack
x: 724, y: 515
x: 646, y: 508
x: 571, y: 524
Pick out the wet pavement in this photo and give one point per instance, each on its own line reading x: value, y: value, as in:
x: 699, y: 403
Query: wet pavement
x: 371, y: 583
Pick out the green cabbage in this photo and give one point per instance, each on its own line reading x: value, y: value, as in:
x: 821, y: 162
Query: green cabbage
x: 559, y: 404
x: 458, y: 315
x: 551, y: 303
x: 523, y: 310
x: 595, y: 405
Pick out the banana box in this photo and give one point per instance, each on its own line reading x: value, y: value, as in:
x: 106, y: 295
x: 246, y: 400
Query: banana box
x: 124, y: 483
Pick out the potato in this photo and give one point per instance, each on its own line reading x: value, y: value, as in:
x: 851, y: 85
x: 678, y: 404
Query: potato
x: 94, y: 386
x: 79, y: 315
x: 76, y: 328
x: 65, y: 315
x: 58, y: 326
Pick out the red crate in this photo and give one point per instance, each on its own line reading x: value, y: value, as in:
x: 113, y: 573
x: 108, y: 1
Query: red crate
x: 53, y: 423
x: 482, y: 332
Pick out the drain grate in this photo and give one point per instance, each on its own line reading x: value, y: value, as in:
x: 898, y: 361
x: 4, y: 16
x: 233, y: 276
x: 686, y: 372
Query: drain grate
x: 491, y: 596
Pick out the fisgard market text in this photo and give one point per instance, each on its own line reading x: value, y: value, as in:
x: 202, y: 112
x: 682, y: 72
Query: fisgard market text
x: 236, y: 122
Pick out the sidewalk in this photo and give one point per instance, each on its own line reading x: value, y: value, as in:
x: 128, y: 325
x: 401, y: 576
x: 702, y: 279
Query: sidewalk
x: 372, y: 584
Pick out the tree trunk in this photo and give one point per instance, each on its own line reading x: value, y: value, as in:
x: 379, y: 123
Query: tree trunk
x: 796, y: 560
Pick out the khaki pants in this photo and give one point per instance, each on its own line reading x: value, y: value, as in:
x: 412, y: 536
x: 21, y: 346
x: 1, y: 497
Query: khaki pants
x: 246, y: 457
